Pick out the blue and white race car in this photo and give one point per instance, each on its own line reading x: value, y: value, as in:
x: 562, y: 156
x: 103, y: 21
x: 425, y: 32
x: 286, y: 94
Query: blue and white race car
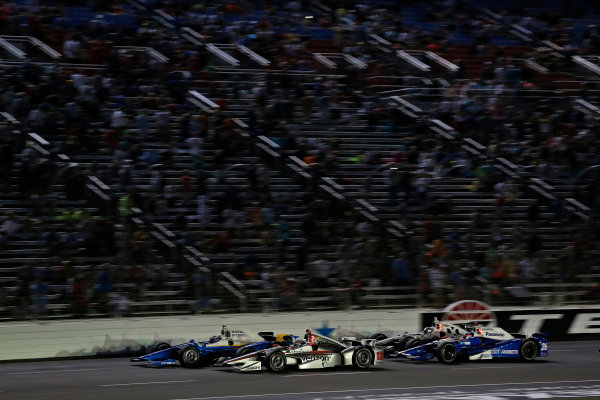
x: 482, y: 343
x: 204, y: 353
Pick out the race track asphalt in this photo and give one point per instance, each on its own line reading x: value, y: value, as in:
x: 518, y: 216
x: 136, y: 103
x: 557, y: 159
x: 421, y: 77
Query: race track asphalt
x: 572, y: 370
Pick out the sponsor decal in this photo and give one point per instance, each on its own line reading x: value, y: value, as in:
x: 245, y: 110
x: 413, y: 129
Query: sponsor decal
x: 325, y: 344
x: 492, y: 334
x: 252, y: 366
x: 315, y: 357
x: 559, y: 324
x: 533, y: 323
x: 585, y: 323
x: 504, y: 351
x: 468, y: 311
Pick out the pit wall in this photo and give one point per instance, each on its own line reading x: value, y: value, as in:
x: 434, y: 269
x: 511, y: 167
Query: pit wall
x: 119, y: 336
x: 90, y: 337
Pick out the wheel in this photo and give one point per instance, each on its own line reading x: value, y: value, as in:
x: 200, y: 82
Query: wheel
x: 276, y: 361
x: 242, y: 351
x: 189, y: 357
x: 528, y: 350
x: 362, y: 358
x: 162, y: 346
x: 414, y: 343
x: 401, y: 345
x: 447, y: 353
x: 378, y: 336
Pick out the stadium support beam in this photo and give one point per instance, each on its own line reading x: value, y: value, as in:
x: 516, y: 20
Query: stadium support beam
x: 222, y: 55
x: 586, y: 64
x: 324, y: 60
x: 12, y: 49
x: 45, y: 48
x: 205, y: 101
x: 355, y: 61
x: 413, y: 61
x: 450, y: 66
x: 255, y: 57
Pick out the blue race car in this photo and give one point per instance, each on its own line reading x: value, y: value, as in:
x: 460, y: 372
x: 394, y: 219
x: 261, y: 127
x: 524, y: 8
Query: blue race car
x: 204, y: 353
x: 482, y: 343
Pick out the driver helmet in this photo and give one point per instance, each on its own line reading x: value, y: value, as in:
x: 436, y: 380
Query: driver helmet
x: 214, y: 339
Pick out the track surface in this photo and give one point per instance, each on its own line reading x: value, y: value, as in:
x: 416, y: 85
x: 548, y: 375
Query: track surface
x: 571, y: 370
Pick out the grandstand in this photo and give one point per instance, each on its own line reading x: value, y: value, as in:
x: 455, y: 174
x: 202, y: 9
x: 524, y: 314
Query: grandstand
x: 162, y: 157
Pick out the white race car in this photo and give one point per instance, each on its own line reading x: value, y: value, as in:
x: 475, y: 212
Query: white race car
x: 312, y: 352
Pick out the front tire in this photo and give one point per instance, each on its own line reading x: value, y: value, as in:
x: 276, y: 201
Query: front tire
x: 362, y: 358
x: 189, y: 357
x: 447, y: 353
x: 276, y: 361
x: 528, y: 350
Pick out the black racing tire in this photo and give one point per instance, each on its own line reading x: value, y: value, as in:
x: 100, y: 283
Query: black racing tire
x: 242, y: 351
x: 401, y: 344
x: 276, y: 361
x: 378, y: 336
x: 189, y: 357
x: 528, y: 350
x: 414, y: 343
x: 362, y: 358
x: 162, y: 346
x: 447, y: 353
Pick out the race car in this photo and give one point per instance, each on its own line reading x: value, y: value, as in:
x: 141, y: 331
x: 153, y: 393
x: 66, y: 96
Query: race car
x: 395, y: 344
x: 204, y: 353
x: 482, y: 343
x: 313, y: 352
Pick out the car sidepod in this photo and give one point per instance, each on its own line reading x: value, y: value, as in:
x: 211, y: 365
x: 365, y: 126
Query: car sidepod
x: 484, y: 349
x: 316, y: 359
x: 249, y: 362
x: 423, y: 352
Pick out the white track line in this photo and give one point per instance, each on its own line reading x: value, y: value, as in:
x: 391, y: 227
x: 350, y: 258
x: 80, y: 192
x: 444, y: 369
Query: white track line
x: 326, y: 374
x: 381, y: 389
x: 54, y: 371
x: 147, y: 383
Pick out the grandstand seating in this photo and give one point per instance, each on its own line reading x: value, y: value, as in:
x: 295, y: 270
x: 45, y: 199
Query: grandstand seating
x: 358, y: 185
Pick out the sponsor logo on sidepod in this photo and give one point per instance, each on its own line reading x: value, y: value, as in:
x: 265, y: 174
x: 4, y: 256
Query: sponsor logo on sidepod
x: 315, y: 358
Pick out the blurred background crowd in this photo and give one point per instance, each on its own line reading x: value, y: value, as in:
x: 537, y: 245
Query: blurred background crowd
x: 178, y: 156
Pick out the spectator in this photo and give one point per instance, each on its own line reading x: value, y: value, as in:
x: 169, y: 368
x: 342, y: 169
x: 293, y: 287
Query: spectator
x: 401, y: 272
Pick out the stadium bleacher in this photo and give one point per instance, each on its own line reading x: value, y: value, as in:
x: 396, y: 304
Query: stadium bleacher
x: 317, y: 164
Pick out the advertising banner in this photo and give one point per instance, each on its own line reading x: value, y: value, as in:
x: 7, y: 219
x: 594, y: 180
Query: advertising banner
x: 558, y: 323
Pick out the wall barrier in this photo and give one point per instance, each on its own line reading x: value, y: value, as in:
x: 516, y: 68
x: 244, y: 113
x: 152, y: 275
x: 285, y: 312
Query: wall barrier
x: 120, y: 336
x: 90, y: 337
x: 566, y: 323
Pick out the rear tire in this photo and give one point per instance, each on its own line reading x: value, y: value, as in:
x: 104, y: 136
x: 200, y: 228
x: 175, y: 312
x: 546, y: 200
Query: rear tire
x: 401, y: 345
x: 189, y: 357
x: 362, y: 358
x: 161, y: 346
x: 378, y: 336
x: 414, y: 343
x: 242, y: 351
x: 276, y: 361
x: 528, y: 350
x: 447, y: 353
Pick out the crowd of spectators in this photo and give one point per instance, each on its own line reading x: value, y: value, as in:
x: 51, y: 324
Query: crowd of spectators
x: 136, y: 99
